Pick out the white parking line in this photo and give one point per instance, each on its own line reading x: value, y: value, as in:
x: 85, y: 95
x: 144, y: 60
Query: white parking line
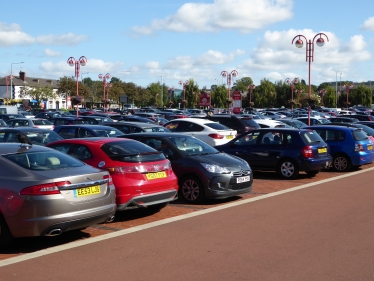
x: 87, y: 241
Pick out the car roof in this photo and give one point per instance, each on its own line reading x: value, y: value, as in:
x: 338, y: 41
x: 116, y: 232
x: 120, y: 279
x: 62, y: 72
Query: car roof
x: 99, y: 140
x: 24, y: 129
x: 332, y: 126
x: 194, y: 120
x: 9, y: 148
x: 155, y: 134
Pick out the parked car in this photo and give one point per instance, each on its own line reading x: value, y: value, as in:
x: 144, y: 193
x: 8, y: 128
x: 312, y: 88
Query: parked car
x: 238, y: 123
x: 363, y: 117
x: 27, y: 114
x: 95, y: 120
x: 136, y: 127
x: 34, y: 135
x: 284, y: 150
x: 343, y: 119
x: 134, y: 118
x: 203, y: 172
x: 349, y: 147
x: 293, y: 123
x: 10, y: 116
x: 48, y: 115
x: 367, y: 123
x: 86, y: 131
x: 3, y: 123
x: 314, y: 120
x: 368, y: 130
x: 143, y: 177
x: 268, y: 123
x: 58, y: 121
x: 30, y: 122
x: 48, y: 192
x: 209, y: 131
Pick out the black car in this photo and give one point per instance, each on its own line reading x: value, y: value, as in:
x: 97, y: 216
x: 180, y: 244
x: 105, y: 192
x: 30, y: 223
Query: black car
x: 284, y: 150
x: 58, y: 121
x: 86, y: 131
x: 94, y: 119
x: 34, y: 135
x: 134, y: 118
x: 48, y: 115
x: 239, y: 123
x: 343, y: 119
x: 7, y: 117
x: 367, y: 123
x: 136, y: 127
x: 202, y: 171
x: 363, y: 117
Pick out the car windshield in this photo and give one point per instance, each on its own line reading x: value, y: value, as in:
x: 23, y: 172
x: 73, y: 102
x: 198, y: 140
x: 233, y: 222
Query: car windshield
x: 43, y: 137
x: 359, y: 135
x: 157, y: 129
x: 192, y: 146
x: 217, y: 126
x: 43, y: 161
x: 131, y: 151
x: 310, y: 136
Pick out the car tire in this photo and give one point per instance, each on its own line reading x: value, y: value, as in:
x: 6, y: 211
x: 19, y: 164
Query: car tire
x: 6, y: 238
x: 157, y: 207
x: 341, y: 163
x: 287, y: 169
x: 312, y: 173
x: 191, y: 190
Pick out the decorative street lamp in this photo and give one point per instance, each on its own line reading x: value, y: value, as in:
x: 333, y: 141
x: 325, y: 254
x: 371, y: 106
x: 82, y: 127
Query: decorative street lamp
x: 171, y: 89
x: 106, y: 86
x: 347, y: 87
x: 298, y: 91
x: 250, y: 88
x: 309, y: 57
x: 322, y: 93
x: 184, y: 91
x: 11, y: 77
x: 292, y: 83
x: 233, y: 73
x: 77, y: 63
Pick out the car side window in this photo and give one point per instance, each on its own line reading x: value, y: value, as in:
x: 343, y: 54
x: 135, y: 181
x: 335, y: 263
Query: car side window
x: 341, y: 135
x: 67, y: 133
x: 12, y: 137
x: 136, y: 130
x: 330, y: 135
x: 173, y: 126
x: 2, y: 136
x: 80, y: 152
x: 62, y: 147
x: 248, y: 139
x: 191, y: 127
x: 84, y: 133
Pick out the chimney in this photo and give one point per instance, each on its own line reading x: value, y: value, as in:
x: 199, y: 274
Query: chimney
x: 22, y: 76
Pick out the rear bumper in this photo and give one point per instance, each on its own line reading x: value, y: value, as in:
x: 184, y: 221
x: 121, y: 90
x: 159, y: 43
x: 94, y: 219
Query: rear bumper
x: 362, y: 159
x: 315, y: 164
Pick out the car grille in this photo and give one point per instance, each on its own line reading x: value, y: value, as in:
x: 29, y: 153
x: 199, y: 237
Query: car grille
x: 238, y: 186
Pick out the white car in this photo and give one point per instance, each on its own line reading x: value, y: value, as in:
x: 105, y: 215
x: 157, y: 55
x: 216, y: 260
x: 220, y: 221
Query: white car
x: 213, y: 133
x: 271, y: 124
x: 31, y: 122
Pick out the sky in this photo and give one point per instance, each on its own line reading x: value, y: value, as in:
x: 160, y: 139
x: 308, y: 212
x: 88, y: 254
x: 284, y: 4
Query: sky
x: 150, y: 41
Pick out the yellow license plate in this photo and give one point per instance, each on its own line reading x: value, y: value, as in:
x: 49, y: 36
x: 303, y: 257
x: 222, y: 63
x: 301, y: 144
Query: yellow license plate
x: 153, y: 176
x: 322, y: 150
x: 370, y: 147
x: 87, y: 191
x: 229, y: 137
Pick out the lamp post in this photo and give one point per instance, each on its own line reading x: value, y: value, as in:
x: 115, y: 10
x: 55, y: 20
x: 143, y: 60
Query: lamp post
x: 106, y: 86
x: 322, y: 93
x: 233, y: 73
x: 11, y: 77
x: 347, y: 87
x: 309, y: 57
x: 292, y: 83
x: 298, y: 91
x: 171, y: 89
x: 184, y: 91
x: 77, y: 63
x: 250, y: 88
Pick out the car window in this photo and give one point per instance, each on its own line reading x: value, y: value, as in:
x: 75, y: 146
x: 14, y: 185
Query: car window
x: 315, y: 135
x: 216, y: 126
x: 84, y: 133
x: 359, y: 135
x: 248, y: 139
x: 136, y: 130
x: 172, y: 126
x: 43, y: 161
x: 110, y: 132
x: 192, y: 146
x: 80, y: 152
x: 67, y: 133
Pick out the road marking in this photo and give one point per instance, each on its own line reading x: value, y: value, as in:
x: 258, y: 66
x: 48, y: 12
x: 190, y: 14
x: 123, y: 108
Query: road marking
x: 166, y: 221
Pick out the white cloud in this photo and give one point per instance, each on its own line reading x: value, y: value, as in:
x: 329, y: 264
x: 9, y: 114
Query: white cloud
x: 243, y: 15
x: 51, y: 53
x: 69, y: 39
x: 12, y: 34
x: 368, y: 24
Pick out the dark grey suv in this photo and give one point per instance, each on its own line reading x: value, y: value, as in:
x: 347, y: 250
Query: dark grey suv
x: 239, y: 123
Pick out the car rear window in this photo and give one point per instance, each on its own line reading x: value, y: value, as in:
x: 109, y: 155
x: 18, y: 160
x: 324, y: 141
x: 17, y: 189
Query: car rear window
x: 249, y: 122
x: 217, y: 126
x: 42, y: 122
x: 43, y: 161
x: 157, y: 129
x: 359, y: 135
x: 310, y: 137
x: 110, y: 132
x: 132, y: 152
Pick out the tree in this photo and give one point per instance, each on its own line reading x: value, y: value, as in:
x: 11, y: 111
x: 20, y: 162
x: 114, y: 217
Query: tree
x: 265, y: 95
x: 242, y: 84
x: 219, y: 97
x: 192, y: 94
x: 38, y: 92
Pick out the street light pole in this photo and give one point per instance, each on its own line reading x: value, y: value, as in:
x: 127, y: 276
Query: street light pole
x: 184, y: 91
x: 171, y: 89
x: 322, y: 93
x: 250, y: 88
x: 233, y: 73
x: 105, y: 87
x: 309, y: 57
x: 77, y: 63
x: 292, y: 83
x: 11, y: 77
x: 347, y: 87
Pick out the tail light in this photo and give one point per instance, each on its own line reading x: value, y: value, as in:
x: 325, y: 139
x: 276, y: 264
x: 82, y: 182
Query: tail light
x: 359, y: 147
x: 216, y: 136
x: 307, y: 152
x: 44, y: 189
x: 140, y: 168
x: 110, y: 181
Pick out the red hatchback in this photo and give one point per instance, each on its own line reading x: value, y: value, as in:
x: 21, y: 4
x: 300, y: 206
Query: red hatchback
x: 142, y: 176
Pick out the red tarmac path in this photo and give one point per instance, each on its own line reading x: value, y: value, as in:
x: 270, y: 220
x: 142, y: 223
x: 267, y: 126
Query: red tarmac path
x: 318, y: 231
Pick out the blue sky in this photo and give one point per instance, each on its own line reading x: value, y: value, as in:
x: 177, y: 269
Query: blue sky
x: 145, y: 41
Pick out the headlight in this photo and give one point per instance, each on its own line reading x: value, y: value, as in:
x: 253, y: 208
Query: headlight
x: 215, y: 169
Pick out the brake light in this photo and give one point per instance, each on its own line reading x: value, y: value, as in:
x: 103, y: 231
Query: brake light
x: 152, y: 168
x: 44, y: 189
x: 307, y: 152
x: 110, y: 181
x: 359, y: 147
x: 216, y: 136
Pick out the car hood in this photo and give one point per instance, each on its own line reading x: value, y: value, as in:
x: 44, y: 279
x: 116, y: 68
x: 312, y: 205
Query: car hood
x: 221, y: 159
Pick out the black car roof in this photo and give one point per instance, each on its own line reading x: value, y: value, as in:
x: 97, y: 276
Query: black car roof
x: 89, y: 126
x: 138, y: 124
x: 24, y: 129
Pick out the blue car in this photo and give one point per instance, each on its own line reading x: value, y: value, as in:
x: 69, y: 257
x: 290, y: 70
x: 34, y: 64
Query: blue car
x: 284, y: 150
x: 349, y: 147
